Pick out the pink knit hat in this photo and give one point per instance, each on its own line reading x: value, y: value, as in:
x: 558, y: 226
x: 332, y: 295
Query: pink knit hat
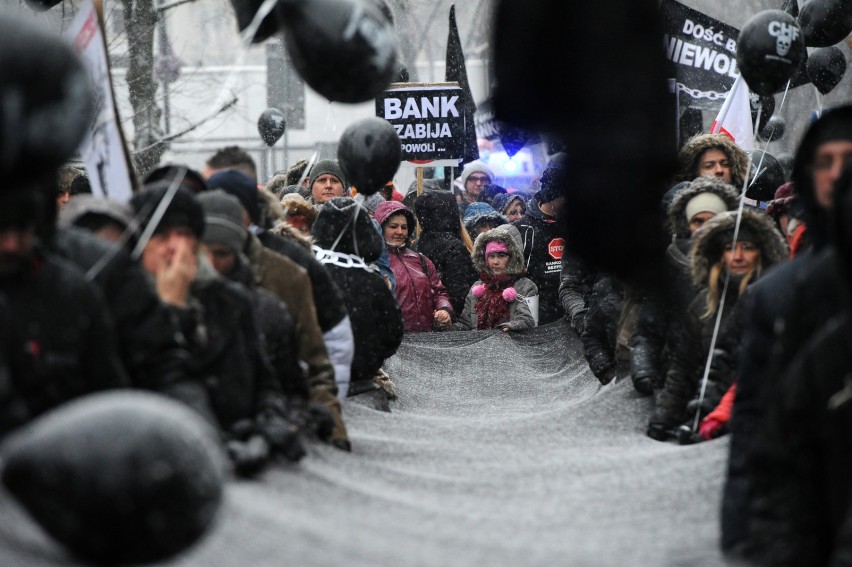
x: 496, y: 246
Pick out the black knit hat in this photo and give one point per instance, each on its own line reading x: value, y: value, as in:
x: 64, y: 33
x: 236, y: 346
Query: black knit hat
x: 345, y: 225
x: 240, y: 186
x: 183, y: 210
x: 554, y: 180
x: 329, y: 166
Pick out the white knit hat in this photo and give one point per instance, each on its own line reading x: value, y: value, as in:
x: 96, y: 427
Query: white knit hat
x: 705, y: 203
x: 476, y: 167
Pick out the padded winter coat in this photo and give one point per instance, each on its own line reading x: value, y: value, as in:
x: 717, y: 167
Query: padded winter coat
x: 520, y: 316
x: 419, y: 290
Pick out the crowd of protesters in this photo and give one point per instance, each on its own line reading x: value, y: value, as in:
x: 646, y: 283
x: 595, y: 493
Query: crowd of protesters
x: 263, y: 305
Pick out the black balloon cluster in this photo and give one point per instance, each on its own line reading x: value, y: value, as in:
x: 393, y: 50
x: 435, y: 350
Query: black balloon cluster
x: 772, y: 45
x: 346, y: 50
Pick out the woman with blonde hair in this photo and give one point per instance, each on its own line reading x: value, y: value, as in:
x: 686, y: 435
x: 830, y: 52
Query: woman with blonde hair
x: 714, y: 258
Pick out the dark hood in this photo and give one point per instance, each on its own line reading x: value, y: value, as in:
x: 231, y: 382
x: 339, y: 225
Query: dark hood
x: 834, y: 124
x: 344, y: 221
x: 438, y: 212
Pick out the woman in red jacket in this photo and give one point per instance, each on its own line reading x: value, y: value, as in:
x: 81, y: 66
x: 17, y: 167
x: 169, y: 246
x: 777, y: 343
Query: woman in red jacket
x: 422, y: 297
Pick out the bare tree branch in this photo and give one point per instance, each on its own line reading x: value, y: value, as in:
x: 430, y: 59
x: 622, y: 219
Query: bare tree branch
x: 189, y: 129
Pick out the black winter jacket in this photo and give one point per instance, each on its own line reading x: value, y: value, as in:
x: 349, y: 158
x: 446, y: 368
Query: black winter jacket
x: 802, y: 456
x: 601, y: 326
x: 544, y: 243
x: 225, y: 342
x: 150, y: 344
x: 440, y: 242
x: 61, y: 342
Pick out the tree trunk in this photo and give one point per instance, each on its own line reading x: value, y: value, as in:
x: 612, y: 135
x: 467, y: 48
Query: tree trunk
x: 141, y: 20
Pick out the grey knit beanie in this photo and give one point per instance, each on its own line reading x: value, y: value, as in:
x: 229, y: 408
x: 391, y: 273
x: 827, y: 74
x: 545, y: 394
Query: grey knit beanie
x: 223, y: 215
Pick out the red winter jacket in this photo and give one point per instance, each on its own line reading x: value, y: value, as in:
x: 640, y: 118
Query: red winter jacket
x: 419, y: 295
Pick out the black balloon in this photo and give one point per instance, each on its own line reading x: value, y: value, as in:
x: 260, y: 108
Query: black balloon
x: 245, y: 10
x: 774, y: 129
x: 766, y: 105
x: 370, y: 152
x: 765, y: 177
x: 402, y: 74
x: 826, y: 67
x: 344, y: 49
x: 271, y: 125
x: 48, y: 100
x: 41, y: 5
x: 825, y: 22
x: 120, y: 477
x: 769, y: 50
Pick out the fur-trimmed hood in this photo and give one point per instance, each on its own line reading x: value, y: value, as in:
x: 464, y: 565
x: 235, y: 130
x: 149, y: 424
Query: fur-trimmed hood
x: 289, y: 232
x: 709, y: 241
x: 500, y: 234
x: 677, y: 210
x: 697, y: 145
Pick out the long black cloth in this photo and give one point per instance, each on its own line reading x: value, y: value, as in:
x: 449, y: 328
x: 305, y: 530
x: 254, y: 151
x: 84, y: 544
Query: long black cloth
x: 502, y: 449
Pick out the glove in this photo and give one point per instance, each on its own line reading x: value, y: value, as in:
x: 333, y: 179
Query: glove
x: 603, y: 367
x: 711, y: 428
x: 282, y: 436
x: 248, y: 457
x: 645, y: 385
x: 658, y: 431
x: 705, y: 406
x: 321, y: 421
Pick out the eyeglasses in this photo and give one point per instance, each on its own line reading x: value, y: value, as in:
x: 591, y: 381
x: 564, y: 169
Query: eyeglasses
x: 479, y: 179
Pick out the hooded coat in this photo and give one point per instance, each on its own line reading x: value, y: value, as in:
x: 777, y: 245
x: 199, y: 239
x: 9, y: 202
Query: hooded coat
x: 520, y: 316
x: 343, y: 235
x: 658, y: 313
x: 689, y: 352
x: 691, y: 152
x: 543, y: 242
x: 440, y: 242
x: 419, y: 290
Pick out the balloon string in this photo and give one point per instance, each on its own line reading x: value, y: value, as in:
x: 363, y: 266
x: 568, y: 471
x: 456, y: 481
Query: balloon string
x: 818, y: 101
x: 721, y: 308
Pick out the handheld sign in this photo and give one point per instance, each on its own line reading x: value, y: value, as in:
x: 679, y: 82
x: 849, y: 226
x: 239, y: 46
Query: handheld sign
x: 428, y: 118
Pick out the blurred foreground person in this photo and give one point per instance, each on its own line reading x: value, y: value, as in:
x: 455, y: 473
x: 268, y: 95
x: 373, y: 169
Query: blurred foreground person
x: 785, y: 308
x: 217, y: 319
x: 802, y: 456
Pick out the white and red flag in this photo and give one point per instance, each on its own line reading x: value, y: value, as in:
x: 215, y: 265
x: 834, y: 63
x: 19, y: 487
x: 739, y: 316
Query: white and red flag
x: 734, y: 119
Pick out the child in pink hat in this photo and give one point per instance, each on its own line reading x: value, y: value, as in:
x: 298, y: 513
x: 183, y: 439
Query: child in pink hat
x: 502, y: 298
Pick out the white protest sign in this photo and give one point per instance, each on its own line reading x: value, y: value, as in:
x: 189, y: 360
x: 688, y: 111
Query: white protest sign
x: 102, y: 149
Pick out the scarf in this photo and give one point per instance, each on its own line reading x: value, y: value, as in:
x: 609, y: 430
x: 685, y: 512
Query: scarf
x: 491, y: 308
